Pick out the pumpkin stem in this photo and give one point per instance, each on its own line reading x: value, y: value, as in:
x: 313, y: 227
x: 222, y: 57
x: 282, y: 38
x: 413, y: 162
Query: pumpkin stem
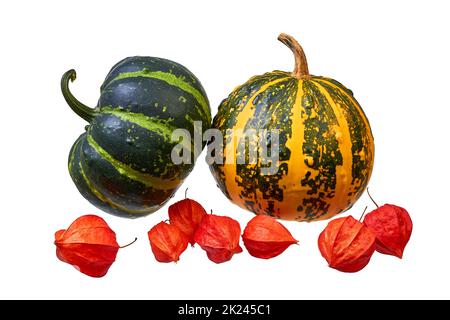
x: 80, y: 109
x: 185, y: 193
x: 135, y: 239
x: 301, y: 65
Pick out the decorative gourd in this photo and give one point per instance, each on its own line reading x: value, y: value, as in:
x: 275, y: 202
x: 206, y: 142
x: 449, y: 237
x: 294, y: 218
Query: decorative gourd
x: 122, y: 163
x: 326, y: 148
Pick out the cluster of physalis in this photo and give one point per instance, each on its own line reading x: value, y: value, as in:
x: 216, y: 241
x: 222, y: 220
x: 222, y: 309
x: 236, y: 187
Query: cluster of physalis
x: 347, y: 244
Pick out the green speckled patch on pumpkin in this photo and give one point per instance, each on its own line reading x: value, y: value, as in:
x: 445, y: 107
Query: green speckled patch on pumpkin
x: 358, y: 132
x: 230, y: 107
x: 273, y: 111
x: 162, y: 127
x: 323, y: 150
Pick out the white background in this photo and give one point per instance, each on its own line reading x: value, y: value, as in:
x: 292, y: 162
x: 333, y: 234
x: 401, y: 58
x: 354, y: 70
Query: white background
x: 394, y: 55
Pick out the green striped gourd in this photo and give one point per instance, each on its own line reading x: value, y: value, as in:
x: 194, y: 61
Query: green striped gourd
x: 122, y: 163
x: 326, y: 146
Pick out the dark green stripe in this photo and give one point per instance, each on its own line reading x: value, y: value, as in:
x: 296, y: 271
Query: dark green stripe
x: 232, y: 106
x: 160, y: 126
x: 173, y: 81
x: 109, y: 202
x: 147, y: 150
x: 129, y: 172
x: 83, y: 183
x: 229, y: 110
x: 73, y: 151
x: 319, y: 117
x: 137, y: 63
x: 118, y: 187
x: 358, y: 132
x: 156, y: 99
x: 349, y: 92
x: 273, y: 110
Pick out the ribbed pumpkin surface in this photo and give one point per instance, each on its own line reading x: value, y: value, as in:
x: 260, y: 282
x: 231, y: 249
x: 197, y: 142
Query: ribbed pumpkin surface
x: 326, y: 146
x: 122, y: 163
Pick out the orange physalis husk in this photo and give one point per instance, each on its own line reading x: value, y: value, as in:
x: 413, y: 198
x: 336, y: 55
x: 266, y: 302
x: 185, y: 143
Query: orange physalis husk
x: 186, y: 214
x: 88, y: 244
x: 219, y: 237
x: 347, y: 244
x: 168, y: 242
x: 265, y: 238
x: 392, y: 227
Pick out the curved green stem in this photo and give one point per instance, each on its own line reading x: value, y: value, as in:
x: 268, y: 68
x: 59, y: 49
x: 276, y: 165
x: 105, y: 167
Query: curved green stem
x: 80, y: 109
